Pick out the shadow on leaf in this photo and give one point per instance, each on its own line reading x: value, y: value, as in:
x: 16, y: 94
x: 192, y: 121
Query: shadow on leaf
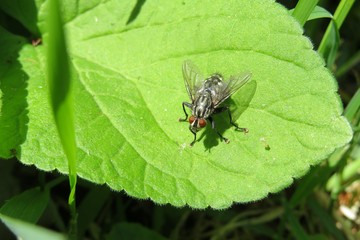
x: 238, y: 104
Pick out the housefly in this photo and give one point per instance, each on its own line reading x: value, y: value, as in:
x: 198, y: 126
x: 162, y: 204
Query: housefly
x: 206, y: 97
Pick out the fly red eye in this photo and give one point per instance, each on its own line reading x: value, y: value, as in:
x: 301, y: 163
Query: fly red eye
x: 191, y: 119
x: 202, y: 122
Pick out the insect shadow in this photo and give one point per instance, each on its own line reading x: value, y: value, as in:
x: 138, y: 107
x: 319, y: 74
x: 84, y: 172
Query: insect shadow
x: 238, y: 103
x: 136, y: 11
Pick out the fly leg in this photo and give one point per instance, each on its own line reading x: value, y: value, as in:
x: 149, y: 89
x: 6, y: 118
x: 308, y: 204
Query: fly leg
x: 193, y: 142
x: 226, y: 108
x: 245, y: 130
x: 189, y: 105
x: 213, y: 127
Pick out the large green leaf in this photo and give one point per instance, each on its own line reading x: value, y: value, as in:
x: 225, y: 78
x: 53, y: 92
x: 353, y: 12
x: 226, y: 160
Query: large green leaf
x: 129, y: 91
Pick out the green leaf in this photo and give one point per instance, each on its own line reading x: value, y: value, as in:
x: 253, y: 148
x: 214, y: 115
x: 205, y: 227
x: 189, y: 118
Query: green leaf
x: 129, y: 92
x: 27, y: 231
x: 13, y: 83
x: 23, y: 11
x: 317, y: 12
x: 19, y: 207
x: 95, y: 200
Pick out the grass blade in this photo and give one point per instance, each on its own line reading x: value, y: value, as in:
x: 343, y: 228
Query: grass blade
x: 61, y: 96
x: 303, y: 10
x: 329, y: 43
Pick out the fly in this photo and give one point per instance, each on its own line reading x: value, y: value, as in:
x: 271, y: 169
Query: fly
x: 206, y: 97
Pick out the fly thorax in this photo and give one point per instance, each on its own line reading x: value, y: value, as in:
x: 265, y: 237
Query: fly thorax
x: 203, y: 105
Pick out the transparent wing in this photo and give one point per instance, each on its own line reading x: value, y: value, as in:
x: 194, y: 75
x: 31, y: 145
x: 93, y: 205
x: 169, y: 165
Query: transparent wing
x: 234, y: 84
x: 192, y: 77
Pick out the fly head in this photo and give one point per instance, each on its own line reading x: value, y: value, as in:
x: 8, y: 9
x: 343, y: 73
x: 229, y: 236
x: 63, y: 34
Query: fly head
x: 197, y: 123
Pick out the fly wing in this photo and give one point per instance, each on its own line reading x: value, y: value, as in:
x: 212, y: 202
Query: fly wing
x: 192, y: 77
x: 234, y: 84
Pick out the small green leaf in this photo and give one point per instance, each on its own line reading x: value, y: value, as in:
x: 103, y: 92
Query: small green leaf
x: 129, y: 92
x: 18, y: 207
x: 317, y: 13
x: 26, y: 231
